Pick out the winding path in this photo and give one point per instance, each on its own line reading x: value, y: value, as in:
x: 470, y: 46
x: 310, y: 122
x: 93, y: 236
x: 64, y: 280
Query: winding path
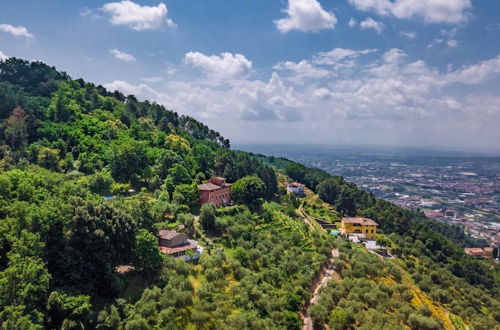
x: 326, y: 275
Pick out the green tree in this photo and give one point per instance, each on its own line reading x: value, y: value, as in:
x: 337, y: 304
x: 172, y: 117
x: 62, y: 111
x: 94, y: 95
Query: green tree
x: 338, y: 319
x: 147, y: 256
x: 187, y: 220
x: 179, y: 175
x: 16, y: 131
x: 248, y: 189
x: 268, y: 176
x: 186, y: 194
x: 345, y: 203
x: 127, y: 159
x: 101, y: 183
x: 166, y: 160
x: 68, y: 312
x: 178, y: 144
x: 207, y: 217
x: 25, y: 282
x: 328, y: 190
x: 296, y: 171
x: 49, y: 158
x: 204, y: 157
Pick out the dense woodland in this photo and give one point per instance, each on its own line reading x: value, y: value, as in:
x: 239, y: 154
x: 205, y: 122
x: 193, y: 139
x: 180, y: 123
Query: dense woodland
x: 66, y: 144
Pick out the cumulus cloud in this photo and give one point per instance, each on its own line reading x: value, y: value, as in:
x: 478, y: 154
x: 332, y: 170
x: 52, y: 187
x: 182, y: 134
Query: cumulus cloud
x: 452, y: 43
x: 337, y: 56
x: 302, y: 70
x: 352, y: 22
x: 137, y: 17
x: 271, y: 101
x: 394, y: 55
x: 122, y: 56
x: 18, y: 31
x: 370, y: 23
x: 306, y: 16
x: 141, y: 90
x: 226, y: 65
x: 372, y: 97
x: 431, y: 11
x: 475, y: 73
x: 3, y: 56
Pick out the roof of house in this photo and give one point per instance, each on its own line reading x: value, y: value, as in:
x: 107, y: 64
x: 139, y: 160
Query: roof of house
x: 474, y: 250
x: 361, y: 221
x: 122, y: 269
x: 172, y: 250
x: 208, y: 186
x: 168, y: 234
x: 295, y: 185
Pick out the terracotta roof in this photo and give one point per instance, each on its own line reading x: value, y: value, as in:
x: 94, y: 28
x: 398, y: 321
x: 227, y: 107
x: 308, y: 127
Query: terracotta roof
x: 208, y: 186
x: 361, y: 221
x: 167, y: 234
x: 172, y: 250
x: 122, y: 269
x: 474, y: 251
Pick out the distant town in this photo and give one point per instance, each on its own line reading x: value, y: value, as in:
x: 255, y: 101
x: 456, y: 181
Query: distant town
x: 458, y: 189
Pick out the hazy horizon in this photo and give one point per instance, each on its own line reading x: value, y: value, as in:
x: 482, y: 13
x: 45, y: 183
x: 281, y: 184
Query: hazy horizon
x: 436, y: 150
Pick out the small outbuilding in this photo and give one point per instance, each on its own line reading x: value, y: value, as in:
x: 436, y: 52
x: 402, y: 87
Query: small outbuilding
x: 298, y: 189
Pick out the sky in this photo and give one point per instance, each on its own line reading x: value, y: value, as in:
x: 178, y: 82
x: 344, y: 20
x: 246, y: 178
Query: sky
x: 345, y: 72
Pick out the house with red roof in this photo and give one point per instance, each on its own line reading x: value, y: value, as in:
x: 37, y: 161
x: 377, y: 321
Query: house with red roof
x: 216, y: 191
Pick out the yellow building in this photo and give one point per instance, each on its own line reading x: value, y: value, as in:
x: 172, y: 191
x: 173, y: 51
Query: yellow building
x: 364, y: 226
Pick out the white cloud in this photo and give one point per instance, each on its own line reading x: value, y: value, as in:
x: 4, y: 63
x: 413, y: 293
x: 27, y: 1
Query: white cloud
x: 302, y: 70
x: 306, y: 16
x: 352, y: 22
x: 271, y: 101
x: 394, y: 55
x: 337, y: 56
x: 137, y: 17
x: 141, y: 90
x: 18, y: 31
x: 374, y: 99
x: 122, y: 56
x: 431, y: 11
x: 452, y: 43
x: 226, y: 65
x: 370, y: 23
x: 408, y: 34
x: 3, y: 56
x: 476, y: 73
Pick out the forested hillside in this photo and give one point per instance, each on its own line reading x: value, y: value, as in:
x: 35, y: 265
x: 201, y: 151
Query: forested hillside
x: 88, y: 177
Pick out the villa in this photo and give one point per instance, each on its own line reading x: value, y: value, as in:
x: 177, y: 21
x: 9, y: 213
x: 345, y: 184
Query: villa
x: 216, y: 191
x: 361, y: 227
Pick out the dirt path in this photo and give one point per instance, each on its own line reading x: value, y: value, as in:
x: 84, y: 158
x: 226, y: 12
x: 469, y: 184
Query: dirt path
x: 305, y: 217
x: 326, y: 275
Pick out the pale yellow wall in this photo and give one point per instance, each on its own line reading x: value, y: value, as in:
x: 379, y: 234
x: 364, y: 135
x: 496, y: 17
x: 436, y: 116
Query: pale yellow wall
x: 348, y: 228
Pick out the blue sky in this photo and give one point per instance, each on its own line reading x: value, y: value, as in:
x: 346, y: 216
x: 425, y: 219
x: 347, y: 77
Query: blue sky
x: 361, y: 72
